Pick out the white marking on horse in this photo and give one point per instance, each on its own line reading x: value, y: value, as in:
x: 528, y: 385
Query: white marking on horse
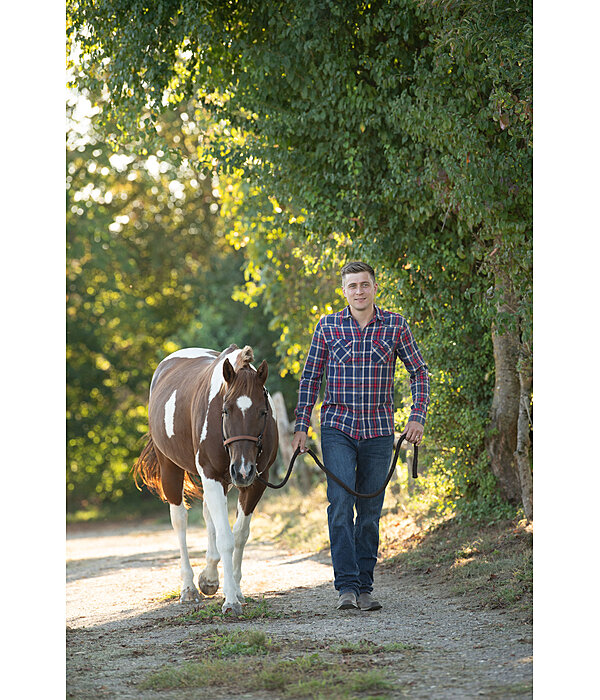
x: 184, y: 352
x: 244, y: 403
x: 217, y: 380
x: 204, y: 428
x: 179, y: 519
x: 190, y: 353
x: 241, y: 531
x: 170, y: 414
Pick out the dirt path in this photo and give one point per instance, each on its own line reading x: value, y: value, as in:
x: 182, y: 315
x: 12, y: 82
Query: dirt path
x: 121, y: 627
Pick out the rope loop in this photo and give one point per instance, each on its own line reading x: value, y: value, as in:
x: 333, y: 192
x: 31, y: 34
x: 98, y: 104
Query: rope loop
x: 339, y: 481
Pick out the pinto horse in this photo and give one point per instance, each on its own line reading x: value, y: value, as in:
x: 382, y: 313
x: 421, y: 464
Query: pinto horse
x: 211, y: 417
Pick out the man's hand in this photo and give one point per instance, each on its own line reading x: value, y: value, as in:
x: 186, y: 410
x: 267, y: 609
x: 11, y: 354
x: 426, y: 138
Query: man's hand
x: 299, y: 441
x: 414, y: 432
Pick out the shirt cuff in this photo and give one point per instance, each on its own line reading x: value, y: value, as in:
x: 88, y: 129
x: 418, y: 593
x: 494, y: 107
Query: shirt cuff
x: 418, y: 417
x: 301, y: 426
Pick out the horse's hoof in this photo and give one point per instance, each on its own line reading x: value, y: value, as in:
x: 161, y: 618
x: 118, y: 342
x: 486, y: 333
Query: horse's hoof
x: 208, y: 587
x: 189, y: 595
x: 232, y: 608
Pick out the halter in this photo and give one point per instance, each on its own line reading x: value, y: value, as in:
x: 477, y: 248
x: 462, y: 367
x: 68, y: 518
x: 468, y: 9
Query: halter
x: 257, y: 439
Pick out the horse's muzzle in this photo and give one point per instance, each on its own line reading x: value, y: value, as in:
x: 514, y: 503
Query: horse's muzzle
x: 242, y: 474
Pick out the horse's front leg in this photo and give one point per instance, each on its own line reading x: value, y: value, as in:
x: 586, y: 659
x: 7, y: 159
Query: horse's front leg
x: 216, y: 501
x: 241, y: 531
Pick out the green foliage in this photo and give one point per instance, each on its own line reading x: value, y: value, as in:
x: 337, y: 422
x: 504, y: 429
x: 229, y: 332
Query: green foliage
x: 148, y: 271
x: 397, y: 132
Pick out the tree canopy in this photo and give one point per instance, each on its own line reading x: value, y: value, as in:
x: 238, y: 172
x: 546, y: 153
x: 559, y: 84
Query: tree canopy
x: 399, y: 132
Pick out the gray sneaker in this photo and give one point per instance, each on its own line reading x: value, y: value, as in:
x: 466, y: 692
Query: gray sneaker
x: 346, y: 601
x: 366, y: 602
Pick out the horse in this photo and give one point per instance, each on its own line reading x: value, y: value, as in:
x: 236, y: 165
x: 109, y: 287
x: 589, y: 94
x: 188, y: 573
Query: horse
x: 210, y: 416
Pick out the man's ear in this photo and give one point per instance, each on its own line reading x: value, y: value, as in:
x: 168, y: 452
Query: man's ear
x: 228, y: 372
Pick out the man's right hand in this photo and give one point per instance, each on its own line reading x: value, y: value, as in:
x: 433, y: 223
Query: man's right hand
x: 299, y: 441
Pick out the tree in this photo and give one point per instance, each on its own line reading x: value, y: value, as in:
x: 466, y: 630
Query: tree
x: 146, y: 260
x: 400, y: 129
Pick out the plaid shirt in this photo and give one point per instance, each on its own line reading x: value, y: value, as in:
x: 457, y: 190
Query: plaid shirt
x: 359, y: 394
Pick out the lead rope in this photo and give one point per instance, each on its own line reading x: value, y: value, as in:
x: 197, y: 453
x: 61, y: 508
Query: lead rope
x: 339, y: 481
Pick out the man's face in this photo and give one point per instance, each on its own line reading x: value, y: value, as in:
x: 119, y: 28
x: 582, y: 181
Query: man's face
x: 359, y: 290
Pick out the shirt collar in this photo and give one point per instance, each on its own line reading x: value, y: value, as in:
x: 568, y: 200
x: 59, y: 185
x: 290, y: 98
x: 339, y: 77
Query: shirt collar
x: 378, y: 313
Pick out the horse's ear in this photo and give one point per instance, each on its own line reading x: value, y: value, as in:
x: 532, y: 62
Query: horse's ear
x: 228, y: 372
x: 263, y: 371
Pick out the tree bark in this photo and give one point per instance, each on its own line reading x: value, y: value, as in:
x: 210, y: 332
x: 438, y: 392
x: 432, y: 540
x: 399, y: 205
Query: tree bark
x: 522, y: 453
x: 501, y: 438
x: 286, y: 433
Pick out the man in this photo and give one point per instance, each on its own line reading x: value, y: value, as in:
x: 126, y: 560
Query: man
x: 357, y: 348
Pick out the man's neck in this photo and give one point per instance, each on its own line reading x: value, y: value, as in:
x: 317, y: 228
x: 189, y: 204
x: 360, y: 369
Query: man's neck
x: 363, y: 317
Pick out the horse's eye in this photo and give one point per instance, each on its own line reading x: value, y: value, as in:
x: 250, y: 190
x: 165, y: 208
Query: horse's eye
x: 224, y: 411
x: 264, y: 412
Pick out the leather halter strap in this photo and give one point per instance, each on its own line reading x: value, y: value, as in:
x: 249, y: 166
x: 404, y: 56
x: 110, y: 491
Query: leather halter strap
x: 241, y: 437
x: 257, y: 439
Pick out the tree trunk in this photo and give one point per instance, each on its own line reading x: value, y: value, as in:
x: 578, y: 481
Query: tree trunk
x: 501, y: 438
x: 284, y: 429
x: 286, y: 433
x: 522, y: 453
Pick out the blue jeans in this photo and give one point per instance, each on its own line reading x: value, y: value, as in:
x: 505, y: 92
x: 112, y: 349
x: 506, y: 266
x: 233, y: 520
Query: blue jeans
x: 363, y: 466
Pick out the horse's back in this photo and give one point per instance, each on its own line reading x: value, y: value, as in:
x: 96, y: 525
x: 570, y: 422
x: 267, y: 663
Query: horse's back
x: 175, y: 384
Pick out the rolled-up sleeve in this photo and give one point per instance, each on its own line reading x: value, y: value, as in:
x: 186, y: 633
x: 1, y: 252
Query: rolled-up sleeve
x: 310, y: 382
x: 408, y: 351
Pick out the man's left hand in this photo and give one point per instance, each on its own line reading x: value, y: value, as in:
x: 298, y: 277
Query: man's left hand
x: 414, y: 432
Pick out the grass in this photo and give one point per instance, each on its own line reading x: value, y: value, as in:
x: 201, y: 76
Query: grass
x: 490, y: 563
x: 211, y: 611
x: 306, y: 676
x: 293, y: 519
x: 245, y: 643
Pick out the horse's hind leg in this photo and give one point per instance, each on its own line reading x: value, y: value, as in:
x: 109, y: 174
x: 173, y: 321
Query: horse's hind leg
x: 172, y: 483
x: 208, y: 581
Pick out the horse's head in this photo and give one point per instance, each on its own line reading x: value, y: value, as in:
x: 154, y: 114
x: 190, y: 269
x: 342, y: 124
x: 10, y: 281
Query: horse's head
x: 245, y: 414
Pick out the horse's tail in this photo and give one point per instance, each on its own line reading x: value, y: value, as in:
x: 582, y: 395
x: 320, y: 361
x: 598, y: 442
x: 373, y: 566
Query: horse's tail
x: 147, y: 470
x: 191, y: 490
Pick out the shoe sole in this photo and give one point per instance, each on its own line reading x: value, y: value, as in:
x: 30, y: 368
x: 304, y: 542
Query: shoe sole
x: 377, y: 606
x: 347, y: 606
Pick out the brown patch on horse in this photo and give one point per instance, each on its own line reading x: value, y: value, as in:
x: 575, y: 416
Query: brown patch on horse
x: 147, y: 469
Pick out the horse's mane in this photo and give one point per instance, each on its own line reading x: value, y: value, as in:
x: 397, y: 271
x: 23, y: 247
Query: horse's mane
x: 244, y: 358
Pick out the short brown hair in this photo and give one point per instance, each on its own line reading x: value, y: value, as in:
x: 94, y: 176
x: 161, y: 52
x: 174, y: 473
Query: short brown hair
x: 357, y: 266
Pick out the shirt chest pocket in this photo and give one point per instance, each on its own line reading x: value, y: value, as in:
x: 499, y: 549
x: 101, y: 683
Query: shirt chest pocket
x: 381, y: 351
x: 341, y: 351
